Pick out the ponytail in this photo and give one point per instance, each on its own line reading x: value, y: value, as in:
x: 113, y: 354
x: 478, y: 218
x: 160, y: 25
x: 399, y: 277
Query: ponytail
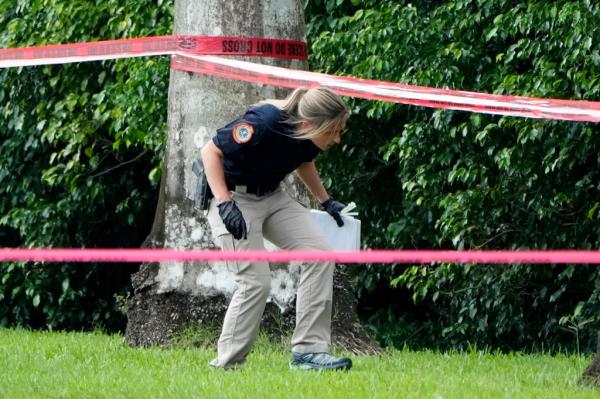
x: 291, y: 103
x: 323, y: 110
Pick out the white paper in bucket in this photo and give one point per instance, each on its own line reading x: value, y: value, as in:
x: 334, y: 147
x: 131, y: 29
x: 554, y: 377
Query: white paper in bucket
x: 345, y: 238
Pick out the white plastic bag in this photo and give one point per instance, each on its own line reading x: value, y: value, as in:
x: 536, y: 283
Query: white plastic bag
x: 345, y: 238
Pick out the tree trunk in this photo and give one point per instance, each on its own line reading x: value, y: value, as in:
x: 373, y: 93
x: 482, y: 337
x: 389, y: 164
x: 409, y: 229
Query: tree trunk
x: 172, y: 295
x: 591, y: 375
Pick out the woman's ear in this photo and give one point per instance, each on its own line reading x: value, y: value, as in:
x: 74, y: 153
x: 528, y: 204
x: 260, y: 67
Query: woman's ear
x: 304, y: 125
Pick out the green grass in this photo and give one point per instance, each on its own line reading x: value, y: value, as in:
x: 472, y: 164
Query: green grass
x: 94, y: 365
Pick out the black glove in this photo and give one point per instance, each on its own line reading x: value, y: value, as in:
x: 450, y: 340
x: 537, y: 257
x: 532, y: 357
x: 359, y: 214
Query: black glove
x: 233, y: 219
x: 333, y: 208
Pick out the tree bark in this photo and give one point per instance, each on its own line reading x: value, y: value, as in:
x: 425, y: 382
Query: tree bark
x: 173, y: 295
x: 591, y: 375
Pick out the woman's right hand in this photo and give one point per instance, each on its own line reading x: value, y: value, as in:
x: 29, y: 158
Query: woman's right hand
x: 233, y: 219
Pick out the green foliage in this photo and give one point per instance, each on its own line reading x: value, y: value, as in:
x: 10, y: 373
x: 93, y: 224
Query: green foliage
x: 428, y: 178
x: 78, y: 144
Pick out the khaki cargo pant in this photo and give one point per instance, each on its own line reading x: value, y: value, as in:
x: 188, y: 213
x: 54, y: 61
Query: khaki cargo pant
x: 287, y: 224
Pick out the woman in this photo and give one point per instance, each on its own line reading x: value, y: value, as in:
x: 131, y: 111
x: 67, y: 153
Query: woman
x: 245, y: 163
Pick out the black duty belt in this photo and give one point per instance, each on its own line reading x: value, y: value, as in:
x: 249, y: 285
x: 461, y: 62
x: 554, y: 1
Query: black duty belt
x: 257, y: 189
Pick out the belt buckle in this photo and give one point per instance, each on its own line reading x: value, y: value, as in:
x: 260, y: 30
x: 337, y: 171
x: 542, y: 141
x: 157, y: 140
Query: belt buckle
x: 257, y: 190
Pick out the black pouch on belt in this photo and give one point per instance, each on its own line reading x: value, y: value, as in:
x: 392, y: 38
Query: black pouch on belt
x: 203, y: 192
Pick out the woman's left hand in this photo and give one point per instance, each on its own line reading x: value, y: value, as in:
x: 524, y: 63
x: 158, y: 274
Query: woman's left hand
x: 333, y: 208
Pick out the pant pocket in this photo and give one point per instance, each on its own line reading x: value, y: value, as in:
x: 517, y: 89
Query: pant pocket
x: 227, y: 243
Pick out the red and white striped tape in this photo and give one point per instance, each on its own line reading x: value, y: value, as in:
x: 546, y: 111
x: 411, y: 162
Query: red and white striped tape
x: 191, y: 55
x: 393, y: 92
x: 374, y: 256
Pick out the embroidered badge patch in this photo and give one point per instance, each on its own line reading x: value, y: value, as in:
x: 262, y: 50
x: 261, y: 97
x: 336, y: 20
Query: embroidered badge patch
x: 242, y: 133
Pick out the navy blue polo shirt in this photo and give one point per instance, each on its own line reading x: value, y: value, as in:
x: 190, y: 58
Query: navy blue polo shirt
x: 259, y: 148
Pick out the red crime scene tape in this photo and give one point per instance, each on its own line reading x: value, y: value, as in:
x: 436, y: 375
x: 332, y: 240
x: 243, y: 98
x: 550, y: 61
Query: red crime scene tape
x: 151, y: 46
x: 191, y: 55
x: 529, y: 107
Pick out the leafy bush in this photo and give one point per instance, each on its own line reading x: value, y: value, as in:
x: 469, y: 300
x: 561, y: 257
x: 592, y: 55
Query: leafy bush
x: 80, y: 149
x: 428, y: 178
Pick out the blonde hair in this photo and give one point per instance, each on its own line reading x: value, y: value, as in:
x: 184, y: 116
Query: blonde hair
x: 323, y: 110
